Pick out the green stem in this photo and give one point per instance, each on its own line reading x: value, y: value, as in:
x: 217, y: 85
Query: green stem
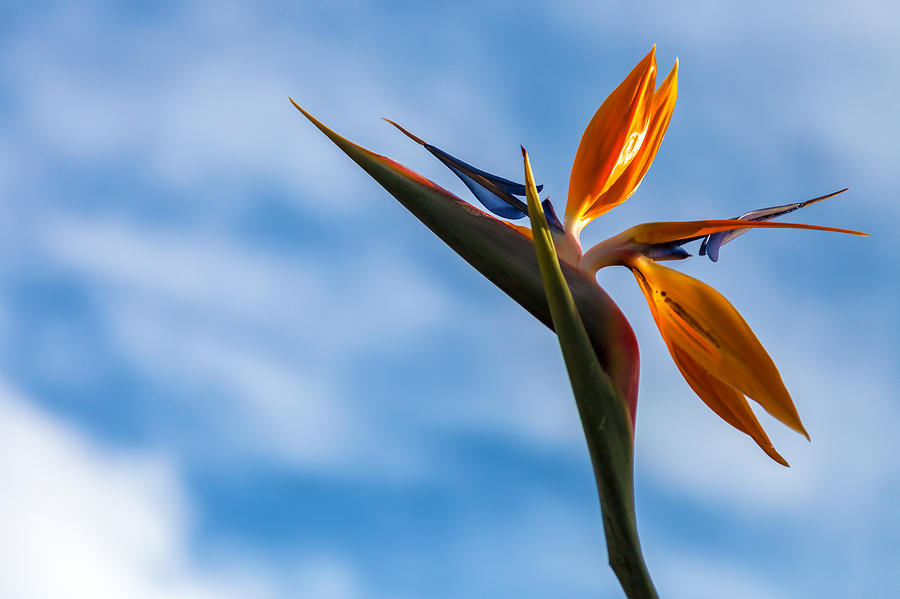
x: 604, y: 416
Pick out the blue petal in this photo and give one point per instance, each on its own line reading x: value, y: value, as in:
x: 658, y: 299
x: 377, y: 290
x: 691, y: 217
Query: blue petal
x: 550, y: 213
x: 495, y: 193
x: 510, y: 187
x: 665, y: 251
x: 504, y: 205
x: 712, y: 243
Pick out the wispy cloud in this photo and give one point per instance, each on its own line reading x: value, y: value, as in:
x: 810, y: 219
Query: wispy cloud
x: 83, y: 520
x: 139, y: 149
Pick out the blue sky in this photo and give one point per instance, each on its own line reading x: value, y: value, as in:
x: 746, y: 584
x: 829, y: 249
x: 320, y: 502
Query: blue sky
x: 232, y: 366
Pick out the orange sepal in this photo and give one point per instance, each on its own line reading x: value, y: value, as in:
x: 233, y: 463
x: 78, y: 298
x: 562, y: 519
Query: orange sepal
x: 610, y: 139
x: 726, y: 401
x: 702, y: 323
x: 670, y: 232
x: 631, y: 177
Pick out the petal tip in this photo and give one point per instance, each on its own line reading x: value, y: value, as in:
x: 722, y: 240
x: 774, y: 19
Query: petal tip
x: 773, y: 453
x: 297, y: 106
x: 404, y: 131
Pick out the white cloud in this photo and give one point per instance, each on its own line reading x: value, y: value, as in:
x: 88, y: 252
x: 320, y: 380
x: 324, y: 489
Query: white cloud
x: 264, y: 337
x: 82, y: 520
x: 214, y: 121
x: 264, y: 333
x: 325, y: 577
x: 694, y: 576
x: 340, y: 302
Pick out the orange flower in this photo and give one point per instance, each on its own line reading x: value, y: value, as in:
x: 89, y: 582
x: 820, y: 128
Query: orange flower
x: 715, y: 350
x: 619, y: 143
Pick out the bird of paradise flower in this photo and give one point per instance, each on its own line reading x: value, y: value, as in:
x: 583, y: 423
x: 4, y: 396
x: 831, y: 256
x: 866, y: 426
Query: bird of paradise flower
x: 546, y: 271
x: 713, y: 347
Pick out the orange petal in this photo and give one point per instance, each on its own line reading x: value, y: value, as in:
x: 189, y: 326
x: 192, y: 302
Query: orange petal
x: 627, y: 183
x: 727, y: 402
x: 523, y: 230
x: 668, y: 232
x: 611, y: 139
x: 696, y: 318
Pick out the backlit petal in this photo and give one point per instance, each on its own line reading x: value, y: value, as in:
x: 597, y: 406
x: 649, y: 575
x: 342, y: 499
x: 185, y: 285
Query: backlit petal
x: 684, y: 231
x: 611, y: 139
x: 702, y: 323
x: 626, y: 184
x: 656, y: 240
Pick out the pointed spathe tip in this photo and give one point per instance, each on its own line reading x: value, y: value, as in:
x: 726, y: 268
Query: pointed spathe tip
x: 405, y: 132
x: 313, y: 119
x: 297, y: 106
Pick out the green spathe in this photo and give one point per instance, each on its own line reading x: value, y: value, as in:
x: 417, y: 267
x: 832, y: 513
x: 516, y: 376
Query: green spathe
x: 506, y: 257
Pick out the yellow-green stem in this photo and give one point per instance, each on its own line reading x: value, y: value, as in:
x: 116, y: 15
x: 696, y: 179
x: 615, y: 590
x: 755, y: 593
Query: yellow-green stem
x: 604, y: 415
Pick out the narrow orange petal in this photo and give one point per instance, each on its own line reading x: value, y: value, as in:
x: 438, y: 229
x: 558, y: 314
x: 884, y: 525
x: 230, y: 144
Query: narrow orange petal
x: 696, y: 318
x: 668, y: 232
x: 726, y: 401
x: 523, y: 230
x: 719, y: 396
x: 610, y: 139
x: 660, y: 115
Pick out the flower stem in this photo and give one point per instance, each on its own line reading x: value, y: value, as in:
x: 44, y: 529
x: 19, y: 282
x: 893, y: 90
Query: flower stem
x: 607, y: 423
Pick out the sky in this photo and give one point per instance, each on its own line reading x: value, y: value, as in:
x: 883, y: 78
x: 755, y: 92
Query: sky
x: 232, y: 366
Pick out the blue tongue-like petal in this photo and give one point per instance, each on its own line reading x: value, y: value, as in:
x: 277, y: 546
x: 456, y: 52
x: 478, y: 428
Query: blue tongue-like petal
x: 510, y: 187
x: 501, y: 205
x: 550, y: 213
x: 712, y: 243
x: 665, y: 251
x: 495, y: 193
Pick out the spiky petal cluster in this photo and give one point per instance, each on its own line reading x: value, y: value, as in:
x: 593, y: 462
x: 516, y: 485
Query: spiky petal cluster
x: 712, y: 346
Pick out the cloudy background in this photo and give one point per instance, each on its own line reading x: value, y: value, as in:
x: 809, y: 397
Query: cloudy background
x: 231, y: 366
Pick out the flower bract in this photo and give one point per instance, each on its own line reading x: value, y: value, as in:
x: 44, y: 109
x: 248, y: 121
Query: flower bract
x: 712, y: 346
